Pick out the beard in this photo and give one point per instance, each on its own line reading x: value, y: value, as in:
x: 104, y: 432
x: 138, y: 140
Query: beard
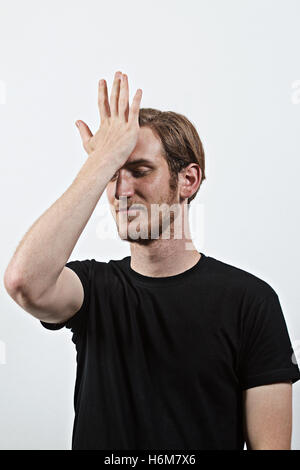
x: 151, y: 223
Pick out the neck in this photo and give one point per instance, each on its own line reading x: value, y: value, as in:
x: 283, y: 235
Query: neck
x: 164, y: 257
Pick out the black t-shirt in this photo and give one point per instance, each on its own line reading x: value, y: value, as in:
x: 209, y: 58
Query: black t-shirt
x: 162, y: 362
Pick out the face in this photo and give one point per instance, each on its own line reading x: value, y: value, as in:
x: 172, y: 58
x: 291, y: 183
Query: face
x: 143, y: 182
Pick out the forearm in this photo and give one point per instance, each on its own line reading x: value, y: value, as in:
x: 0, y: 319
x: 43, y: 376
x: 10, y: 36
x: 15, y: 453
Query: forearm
x: 46, y: 247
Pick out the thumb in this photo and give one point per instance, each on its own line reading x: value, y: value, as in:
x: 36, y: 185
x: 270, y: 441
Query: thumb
x: 84, y: 131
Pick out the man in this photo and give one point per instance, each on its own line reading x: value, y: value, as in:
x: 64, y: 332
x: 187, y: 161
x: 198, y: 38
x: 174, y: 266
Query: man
x: 175, y: 349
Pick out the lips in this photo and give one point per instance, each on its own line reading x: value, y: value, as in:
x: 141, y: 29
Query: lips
x: 131, y: 208
x: 124, y: 210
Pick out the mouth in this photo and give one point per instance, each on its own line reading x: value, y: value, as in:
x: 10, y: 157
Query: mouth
x: 130, y: 209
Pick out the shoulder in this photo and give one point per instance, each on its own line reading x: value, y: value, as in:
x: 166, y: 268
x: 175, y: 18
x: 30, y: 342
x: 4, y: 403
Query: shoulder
x: 240, y: 279
x: 93, y: 268
x: 111, y: 270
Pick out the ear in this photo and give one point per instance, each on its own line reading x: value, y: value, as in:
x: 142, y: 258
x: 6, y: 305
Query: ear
x: 189, y: 180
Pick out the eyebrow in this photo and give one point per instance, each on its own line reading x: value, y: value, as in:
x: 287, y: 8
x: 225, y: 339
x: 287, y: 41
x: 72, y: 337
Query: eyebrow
x: 140, y: 161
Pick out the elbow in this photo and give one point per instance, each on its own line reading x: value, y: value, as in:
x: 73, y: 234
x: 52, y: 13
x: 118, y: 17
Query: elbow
x: 15, y: 287
x: 12, y: 283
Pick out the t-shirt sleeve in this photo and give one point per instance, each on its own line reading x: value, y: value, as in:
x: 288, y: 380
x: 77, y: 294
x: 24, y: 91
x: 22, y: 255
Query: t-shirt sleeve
x: 266, y: 352
x: 83, y: 269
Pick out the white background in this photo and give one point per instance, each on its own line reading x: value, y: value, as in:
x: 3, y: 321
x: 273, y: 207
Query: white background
x: 230, y: 67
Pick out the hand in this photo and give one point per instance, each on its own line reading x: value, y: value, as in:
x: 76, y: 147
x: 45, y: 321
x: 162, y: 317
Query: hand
x: 118, y: 133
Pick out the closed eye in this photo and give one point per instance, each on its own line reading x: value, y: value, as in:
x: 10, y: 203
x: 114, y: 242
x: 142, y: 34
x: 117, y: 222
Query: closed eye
x: 135, y: 173
x: 138, y: 174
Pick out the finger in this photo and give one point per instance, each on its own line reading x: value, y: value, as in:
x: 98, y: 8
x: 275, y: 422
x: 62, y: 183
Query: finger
x: 114, y: 96
x: 103, y: 103
x: 123, y: 99
x: 84, y: 132
x: 135, y: 107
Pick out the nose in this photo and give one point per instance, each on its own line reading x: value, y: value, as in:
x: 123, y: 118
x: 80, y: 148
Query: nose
x: 124, y: 184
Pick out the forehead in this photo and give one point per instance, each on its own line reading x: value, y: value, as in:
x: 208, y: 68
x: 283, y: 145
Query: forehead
x: 148, y: 147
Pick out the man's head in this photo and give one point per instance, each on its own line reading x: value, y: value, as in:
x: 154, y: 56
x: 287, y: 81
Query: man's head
x: 165, y: 168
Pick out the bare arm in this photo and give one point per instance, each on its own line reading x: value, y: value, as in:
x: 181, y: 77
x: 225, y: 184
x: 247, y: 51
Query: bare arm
x: 268, y: 417
x: 36, y: 277
x: 46, y: 247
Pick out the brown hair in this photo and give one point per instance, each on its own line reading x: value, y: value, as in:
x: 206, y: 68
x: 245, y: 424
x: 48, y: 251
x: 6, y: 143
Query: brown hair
x: 181, y: 143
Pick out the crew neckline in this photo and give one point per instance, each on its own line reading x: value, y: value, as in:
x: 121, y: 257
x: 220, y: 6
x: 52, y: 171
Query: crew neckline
x: 165, y: 280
